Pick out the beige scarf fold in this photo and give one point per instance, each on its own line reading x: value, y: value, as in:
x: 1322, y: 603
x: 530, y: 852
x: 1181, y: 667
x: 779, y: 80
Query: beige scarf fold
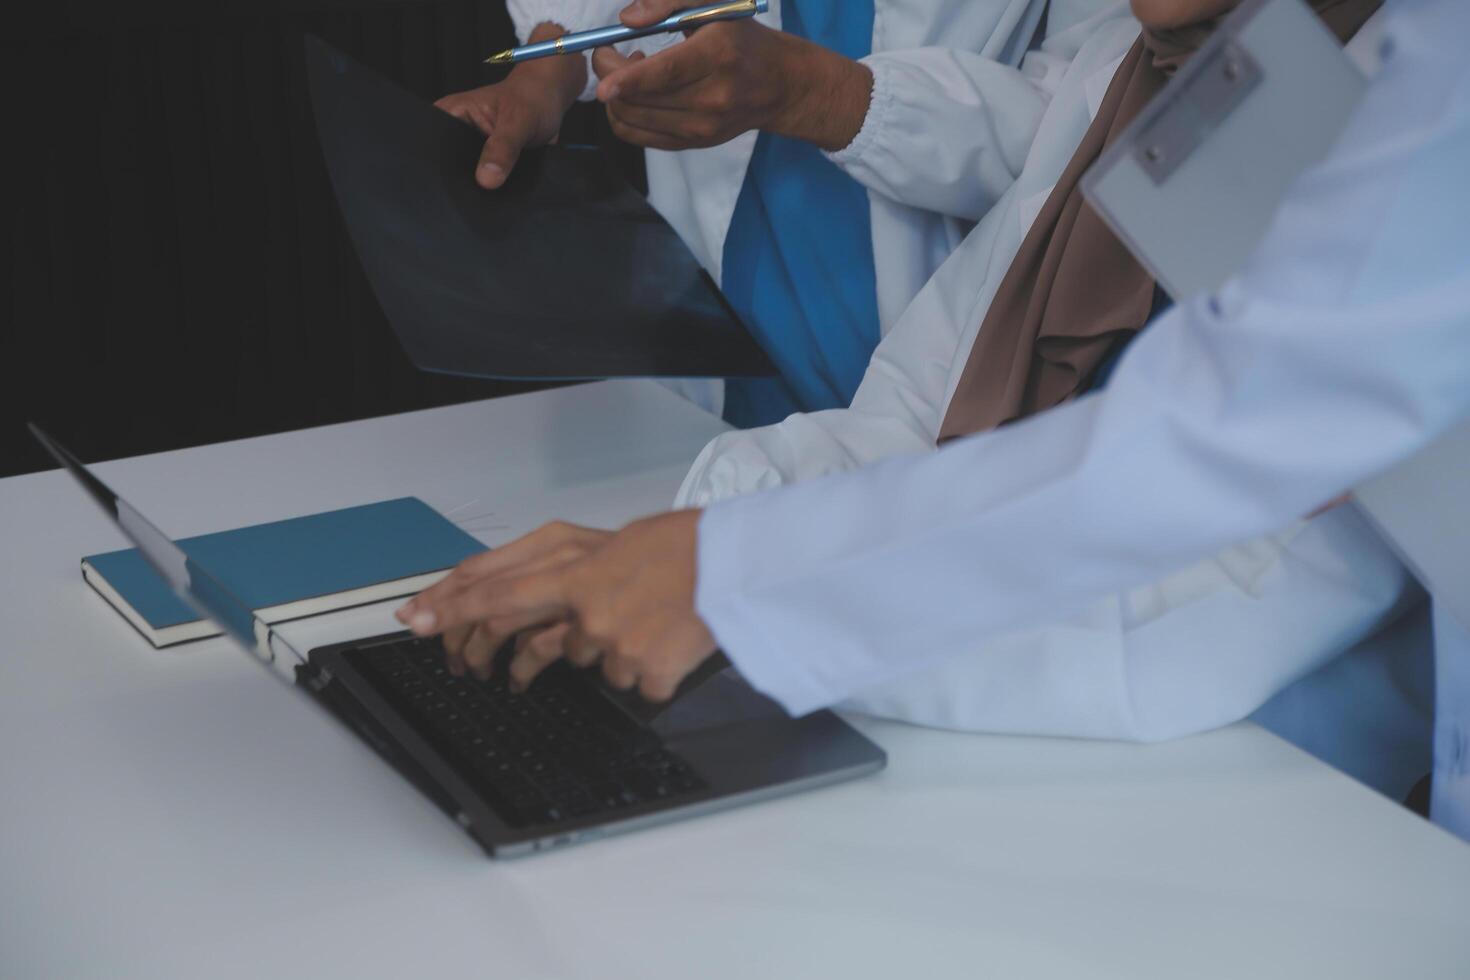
x: 1074, y: 291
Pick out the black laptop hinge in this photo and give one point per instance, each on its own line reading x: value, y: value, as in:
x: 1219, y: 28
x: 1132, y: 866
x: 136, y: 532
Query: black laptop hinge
x: 313, y: 676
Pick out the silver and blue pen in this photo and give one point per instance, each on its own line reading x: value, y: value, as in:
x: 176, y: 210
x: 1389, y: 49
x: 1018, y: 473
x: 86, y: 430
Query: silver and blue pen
x: 583, y: 40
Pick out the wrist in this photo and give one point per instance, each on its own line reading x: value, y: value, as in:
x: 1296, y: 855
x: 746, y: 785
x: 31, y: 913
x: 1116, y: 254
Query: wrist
x: 556, y: 81
x: 829, y: 99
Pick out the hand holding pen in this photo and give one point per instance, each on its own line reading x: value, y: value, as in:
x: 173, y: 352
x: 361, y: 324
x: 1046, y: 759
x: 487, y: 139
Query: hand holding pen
x: 672, y: 19
x: 728, y: 77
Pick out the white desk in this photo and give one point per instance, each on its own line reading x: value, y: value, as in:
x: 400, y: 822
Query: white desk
x: 175, y: 814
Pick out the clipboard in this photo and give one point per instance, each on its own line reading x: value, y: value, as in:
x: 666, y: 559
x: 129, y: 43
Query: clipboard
x: 565, y: 273
x: 1191, y: 185
x: 1218, y: 149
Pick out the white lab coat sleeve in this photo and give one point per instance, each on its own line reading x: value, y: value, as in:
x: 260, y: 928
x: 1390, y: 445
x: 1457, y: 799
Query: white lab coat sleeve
x: 894, y: 412
x: 1341, y: 348
x: 1203, y: 647
x: 898, y: 406
x: 946, y: 131
x: 574, y: 15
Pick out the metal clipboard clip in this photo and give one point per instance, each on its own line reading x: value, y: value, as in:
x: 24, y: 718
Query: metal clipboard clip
x: 1176, y: 128
x: 1191, y: 184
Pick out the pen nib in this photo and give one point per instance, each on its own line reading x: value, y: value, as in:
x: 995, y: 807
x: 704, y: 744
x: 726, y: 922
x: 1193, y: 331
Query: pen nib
x: 503, y: 58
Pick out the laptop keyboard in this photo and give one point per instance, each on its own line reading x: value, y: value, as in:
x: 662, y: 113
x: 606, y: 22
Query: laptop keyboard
x: 558, y: 751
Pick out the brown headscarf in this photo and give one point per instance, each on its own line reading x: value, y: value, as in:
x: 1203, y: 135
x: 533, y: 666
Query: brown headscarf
x: 1074, y: 291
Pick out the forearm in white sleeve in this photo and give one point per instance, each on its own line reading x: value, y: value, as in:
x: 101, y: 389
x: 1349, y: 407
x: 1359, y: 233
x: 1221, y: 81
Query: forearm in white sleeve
x: 1201, y: 648
x: 895, y: 411
x: 574, y: 15
x: 899, y: 404
x: 1341, y: 348
x: 898, y: 407
x: 948, y: 130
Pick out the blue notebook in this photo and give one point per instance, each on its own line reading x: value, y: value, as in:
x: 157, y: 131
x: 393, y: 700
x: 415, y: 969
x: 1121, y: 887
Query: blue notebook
x: 293, y: 568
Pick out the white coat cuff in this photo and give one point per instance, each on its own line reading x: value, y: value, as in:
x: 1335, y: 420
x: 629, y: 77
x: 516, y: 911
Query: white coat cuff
x: 775, y: 672
x: 880, y: 104
x: 733, y: 464
x: 692, y: 492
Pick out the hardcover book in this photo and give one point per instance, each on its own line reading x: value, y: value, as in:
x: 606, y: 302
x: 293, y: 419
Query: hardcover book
x: 291, y: 569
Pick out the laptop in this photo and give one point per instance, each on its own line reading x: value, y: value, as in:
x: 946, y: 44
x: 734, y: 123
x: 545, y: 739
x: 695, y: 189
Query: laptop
x: 568, y: 761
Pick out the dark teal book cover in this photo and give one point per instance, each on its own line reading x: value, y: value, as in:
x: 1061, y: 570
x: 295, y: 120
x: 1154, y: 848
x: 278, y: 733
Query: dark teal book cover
x: 289, y: 563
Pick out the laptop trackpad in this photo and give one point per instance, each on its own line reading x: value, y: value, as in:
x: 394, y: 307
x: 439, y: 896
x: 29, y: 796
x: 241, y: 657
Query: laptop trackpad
x: 725, y: 699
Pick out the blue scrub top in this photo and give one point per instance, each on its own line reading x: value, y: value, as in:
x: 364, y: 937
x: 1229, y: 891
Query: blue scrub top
x: 798, y: 262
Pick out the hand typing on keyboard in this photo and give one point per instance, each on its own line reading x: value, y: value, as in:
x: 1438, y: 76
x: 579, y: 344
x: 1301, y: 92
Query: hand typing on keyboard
x: 474, y: 645
x: 625, y: 599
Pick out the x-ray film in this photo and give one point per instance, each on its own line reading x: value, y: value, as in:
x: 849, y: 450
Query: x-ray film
x: 564, y: 273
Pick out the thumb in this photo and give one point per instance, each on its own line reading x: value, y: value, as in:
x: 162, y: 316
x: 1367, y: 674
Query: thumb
x: 501, y: 151
x: 607, y: 60
x: 642, y: 13
x: 607, y: 89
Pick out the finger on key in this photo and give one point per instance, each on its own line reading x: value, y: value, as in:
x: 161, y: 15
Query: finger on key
x: 479, y: 652
x: 535, y: 651
x: 454, y: 640
x: 579, y: 649
x: 620, y: 672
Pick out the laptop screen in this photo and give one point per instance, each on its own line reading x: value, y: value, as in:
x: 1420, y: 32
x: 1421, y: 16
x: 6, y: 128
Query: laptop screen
x: 201, y: 590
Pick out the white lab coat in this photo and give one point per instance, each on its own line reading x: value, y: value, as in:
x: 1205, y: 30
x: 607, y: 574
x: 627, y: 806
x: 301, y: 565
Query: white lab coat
x: 946, y: 131
x: 1201, y: 647
x: 1342, y: 347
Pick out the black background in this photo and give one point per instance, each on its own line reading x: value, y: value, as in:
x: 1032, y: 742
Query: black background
x: 173, y: 268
